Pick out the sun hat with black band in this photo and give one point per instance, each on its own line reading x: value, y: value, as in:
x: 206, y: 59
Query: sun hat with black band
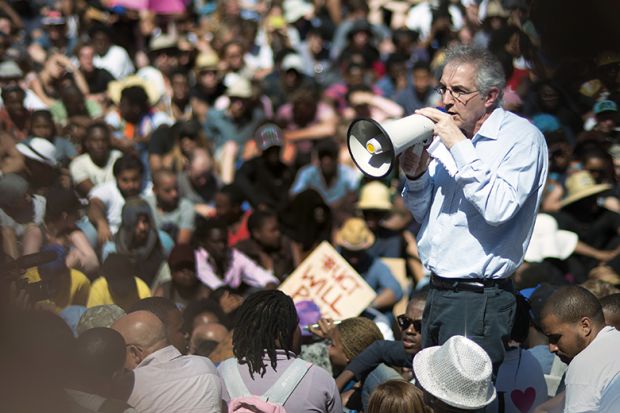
x: 581, y: 185
x: 40, y: 150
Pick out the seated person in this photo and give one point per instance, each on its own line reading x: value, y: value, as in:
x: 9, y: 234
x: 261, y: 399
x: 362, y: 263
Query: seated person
x: 265, y: 180
x: 94, y: 166
x: 266, y: 246
x: 61, y: 215
x: 217, y: 264
x: 184, y: 286
x: 61, y: 285
x: 353, y: 240
x: 348, y: 340
x: 175, y: 153
x: 21, y: 214
x: 42, y: 126
x: 107, y: 199
x: 173, y: 214
x: 229, y: 206
x: 335, y: 182
x: 138, y: 238
x: 118, y: 284
x: 198, y: 183
x: 393, y: 353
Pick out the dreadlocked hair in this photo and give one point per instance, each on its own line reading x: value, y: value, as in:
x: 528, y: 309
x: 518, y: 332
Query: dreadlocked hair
x: 264, y: 319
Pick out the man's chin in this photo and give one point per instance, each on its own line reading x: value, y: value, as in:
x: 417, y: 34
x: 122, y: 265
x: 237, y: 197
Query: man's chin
x: 565, y: 359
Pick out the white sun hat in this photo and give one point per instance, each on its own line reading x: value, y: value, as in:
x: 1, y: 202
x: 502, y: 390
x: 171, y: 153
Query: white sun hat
x: 40, y: 150
x: 458, y: 373
x: 548, y: 241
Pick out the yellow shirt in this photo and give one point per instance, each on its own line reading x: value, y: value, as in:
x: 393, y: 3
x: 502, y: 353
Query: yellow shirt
x: 76, y: 293
x: 100, y: 293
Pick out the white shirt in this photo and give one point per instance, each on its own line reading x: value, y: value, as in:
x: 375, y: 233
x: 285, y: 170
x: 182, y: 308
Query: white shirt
x: 113, y: 200
x: 38, y: 205
x: 83, y: 168
x: 116, y: 61
x: 420, y: 18
x: 593, y: 376
x: 167, y: 381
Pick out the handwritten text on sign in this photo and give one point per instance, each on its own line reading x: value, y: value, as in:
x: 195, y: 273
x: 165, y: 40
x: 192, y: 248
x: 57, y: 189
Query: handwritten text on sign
x: 327, y: 279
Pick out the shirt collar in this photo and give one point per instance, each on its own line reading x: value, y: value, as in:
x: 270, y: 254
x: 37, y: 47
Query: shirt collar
x: 160, y: 356
x: 490, y: 127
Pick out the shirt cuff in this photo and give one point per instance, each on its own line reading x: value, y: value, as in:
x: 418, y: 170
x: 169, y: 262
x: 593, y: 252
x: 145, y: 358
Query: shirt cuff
x: 463, y: 153
x: 417, y: 184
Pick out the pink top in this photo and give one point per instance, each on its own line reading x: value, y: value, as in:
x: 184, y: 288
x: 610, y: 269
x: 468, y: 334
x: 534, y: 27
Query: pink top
x: 242, y: 269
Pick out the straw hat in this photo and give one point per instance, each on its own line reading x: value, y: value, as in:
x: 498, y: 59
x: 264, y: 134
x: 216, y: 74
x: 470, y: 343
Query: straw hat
x: 206, y: 61
x: 581, y: 185
x: 375, y: 195
x: 548, y: 241
x: 115, y: 88
x: 458, y: 373
x: 355, y: 235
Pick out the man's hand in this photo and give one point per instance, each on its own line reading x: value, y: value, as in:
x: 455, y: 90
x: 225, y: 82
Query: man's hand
x: 103, y: 233
x: 413, y: 165
x: 445, y: 127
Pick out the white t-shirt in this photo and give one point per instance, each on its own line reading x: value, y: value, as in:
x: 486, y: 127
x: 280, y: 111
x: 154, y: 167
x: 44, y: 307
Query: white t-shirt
x: 83, y: 168
x: 38, y: 204
x: 593, y: 376
x: 109, y: 194
x: 116, y: 61
x: 520, y: 382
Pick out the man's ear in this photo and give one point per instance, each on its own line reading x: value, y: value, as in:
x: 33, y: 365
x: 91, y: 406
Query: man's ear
x: 134, y: 354
x: 586, y: 326
x: 491, y: 98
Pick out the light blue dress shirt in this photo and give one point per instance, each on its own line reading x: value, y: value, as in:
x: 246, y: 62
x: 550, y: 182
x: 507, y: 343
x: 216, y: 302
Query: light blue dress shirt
x: 478, y: 223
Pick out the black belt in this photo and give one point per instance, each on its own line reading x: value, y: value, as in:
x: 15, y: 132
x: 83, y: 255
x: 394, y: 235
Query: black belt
x: 469, y: 284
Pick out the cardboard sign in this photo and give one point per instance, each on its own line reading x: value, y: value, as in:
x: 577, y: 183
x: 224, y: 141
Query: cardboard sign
x: 328, y: 279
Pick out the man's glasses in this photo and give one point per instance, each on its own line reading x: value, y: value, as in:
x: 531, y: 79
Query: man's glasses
x: 404, y: 322
x: 456, y: 93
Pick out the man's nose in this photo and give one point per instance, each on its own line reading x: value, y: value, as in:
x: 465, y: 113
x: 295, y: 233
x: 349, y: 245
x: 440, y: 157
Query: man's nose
x: 553, y: 348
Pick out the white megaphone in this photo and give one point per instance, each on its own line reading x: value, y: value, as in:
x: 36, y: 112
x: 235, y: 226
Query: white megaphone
x: 375, y: 146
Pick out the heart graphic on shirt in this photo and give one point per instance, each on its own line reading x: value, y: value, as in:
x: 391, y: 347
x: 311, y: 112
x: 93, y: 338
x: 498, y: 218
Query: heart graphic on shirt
x: 523, y: 400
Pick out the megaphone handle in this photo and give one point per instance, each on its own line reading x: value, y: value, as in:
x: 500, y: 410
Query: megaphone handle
x: 417, y: 149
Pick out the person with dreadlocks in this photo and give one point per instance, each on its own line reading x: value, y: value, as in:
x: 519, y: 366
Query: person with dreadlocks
x: 266, y: 342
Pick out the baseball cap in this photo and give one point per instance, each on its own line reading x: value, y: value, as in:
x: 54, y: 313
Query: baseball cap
x: 269, y: 135
x: 605, y: 106
x: 293, y: 61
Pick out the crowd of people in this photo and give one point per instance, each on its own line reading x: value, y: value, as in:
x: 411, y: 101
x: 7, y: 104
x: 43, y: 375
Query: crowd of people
x: 166, y: 165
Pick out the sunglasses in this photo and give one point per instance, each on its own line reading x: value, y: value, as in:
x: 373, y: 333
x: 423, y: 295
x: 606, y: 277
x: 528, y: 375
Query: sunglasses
x: 404, y: 322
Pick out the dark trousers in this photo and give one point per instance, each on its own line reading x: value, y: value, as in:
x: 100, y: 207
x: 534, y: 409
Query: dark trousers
x: 485, y: 316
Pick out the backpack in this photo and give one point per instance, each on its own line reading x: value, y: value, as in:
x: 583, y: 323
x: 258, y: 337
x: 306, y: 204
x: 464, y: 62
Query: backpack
x: 242, y: 401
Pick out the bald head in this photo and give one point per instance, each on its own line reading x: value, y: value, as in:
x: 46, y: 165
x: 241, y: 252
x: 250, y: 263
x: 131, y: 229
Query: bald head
x: 201, y: 162
x: 143, y: 333
x: 206, y: 337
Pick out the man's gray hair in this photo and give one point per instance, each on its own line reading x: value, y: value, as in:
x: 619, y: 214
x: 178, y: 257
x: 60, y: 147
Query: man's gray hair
x: 488, y: 69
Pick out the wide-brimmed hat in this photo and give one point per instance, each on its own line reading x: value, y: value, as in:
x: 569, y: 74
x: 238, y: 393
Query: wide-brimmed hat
x: 207, y: 61
x: 375, y: 195
x: 459, y: 373
x: 10, y: 70
x: 296, y: 9
x: 581, y: 185
x: 115, y: 88
x: 163, y: 42
x: 40, y: 150
x: 355, y: 235
x: 241, y: 88
x: 548, y: 241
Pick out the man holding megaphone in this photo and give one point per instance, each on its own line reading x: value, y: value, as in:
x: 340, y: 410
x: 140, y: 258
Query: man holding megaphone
x: 475, y: 190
